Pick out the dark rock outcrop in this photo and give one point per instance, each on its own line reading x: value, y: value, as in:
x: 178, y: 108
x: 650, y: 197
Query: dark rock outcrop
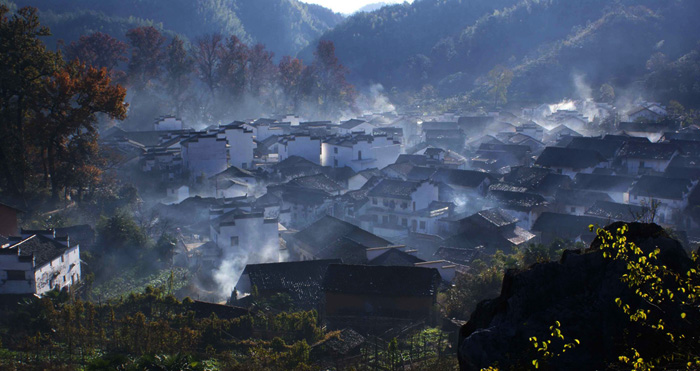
x: 579, y: 291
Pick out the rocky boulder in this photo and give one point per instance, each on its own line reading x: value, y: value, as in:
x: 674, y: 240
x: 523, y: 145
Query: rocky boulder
x: 579, y: 292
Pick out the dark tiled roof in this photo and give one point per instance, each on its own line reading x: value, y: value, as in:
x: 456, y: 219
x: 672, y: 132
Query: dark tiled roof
x: 43, y: 249
x: 459, y: 256
x: 418, y: 160
x: 301, y: 280
x: 420, y: 173
x: 614, y: 211
x: 661, y: 187
x: 394, y: 188
x: 607, y: 148
x: 569, y: 158
x: 579, y: 197
x: 656, y: 151
x: 516, y: 200
x: 395, y: 257
x: 380, y: 280
x: 233, y: 172
x: 318, y: 181
x: 462, y: 178
x: 304, y: 196
x: 329, y: 230
x: 496, y: 217
x: 351, y: 124
x: 600, y: 182
x: 528, y: 177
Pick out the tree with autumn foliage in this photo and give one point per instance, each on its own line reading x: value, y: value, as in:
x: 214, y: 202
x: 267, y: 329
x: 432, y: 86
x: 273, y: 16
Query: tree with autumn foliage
x: 49, y: 109
x: 207, y: 52
x: 233, y: 67
x: 147, y: 57
x: 290, y: 79
x: 178, y: 67
x: 328, y: 86
x: 98, y: 50
x: 65, y: 128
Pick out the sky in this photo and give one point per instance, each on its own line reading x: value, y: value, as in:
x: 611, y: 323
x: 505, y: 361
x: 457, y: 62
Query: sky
x: 347, y: 6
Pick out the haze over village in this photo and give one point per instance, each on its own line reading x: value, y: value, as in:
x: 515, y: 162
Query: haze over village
x: 429, y: 185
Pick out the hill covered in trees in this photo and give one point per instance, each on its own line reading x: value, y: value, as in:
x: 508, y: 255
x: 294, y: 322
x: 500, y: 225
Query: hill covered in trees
x: 452, y: 45
x: 284, y: 26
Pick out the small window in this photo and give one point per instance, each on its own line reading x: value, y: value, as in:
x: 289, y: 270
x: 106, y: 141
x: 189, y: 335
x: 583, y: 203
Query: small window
x: 234, y: 241
x: 404, y: 222
x: 359, y: 155
x: 374, y: 201
x: 422, y: 224
x: 385, y: 219
x: 641, y: 163
x: 15, y: 275
x: 335, y: 149
x: 573, y: 209
x: 335, y: 162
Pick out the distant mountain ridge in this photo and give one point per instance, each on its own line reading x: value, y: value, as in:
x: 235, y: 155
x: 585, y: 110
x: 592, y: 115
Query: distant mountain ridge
x: 284, y: 26
x: 452, y: 44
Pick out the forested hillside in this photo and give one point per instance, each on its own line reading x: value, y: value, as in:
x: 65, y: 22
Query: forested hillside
x: 284, y: 26
x: 452, y: 45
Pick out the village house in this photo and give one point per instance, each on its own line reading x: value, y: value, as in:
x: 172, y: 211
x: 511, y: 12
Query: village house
x: 577, y: 202
x: 489, y: 230
x: 301, y: 280
x: 305, y: 205
x: 359, y: 151
x: 374, y: 297
x: 304, y: 146
x: 571, y: 161
x: 608, y: 148
x: 641, y: 157
x: 524, y: 206
x: 204, y: 155
x: 532, y: 130
x: 613, y: 211
x: 355, y: 126
x: 395, y: 203
x: 168, y: 123
x: 647, y: 111
x: 332, y: 238
x: 615, y: 186
x: 669, y: 196
x: 240, y: 144
x: 237, y: 232
x: 38, y: 262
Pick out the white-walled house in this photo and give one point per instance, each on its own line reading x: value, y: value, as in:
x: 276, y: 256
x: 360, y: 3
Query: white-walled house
x: 204, y: 155
x: 38, y: 262
x: 240, y: 144
x: 640, y: 157
x: 396, y: 206
x: 237, y: 232
x: 304, y: 146
x: 359, y: 152
x: 168, y: 123
x: 571, y: 161
x: 668, y: 195
x: 355, y: 126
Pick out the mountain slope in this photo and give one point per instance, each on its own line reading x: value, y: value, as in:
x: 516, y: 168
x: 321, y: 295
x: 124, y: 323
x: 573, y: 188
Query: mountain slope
x: 284, y: 26
x: 452, y: 44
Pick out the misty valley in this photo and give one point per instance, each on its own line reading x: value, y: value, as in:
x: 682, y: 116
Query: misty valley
x: 274, y: 185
